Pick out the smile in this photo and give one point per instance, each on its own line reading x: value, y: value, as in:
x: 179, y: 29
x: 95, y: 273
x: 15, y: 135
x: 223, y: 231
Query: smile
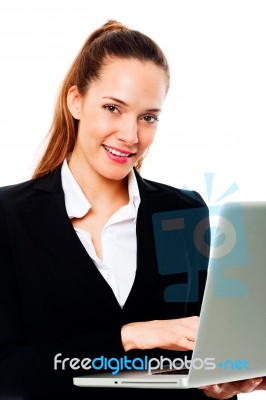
x: 117, y: 152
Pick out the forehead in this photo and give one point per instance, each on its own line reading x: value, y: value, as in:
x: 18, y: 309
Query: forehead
x: 131, y: 77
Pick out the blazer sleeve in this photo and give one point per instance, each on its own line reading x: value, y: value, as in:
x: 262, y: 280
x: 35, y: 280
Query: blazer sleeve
x: 27, y: 371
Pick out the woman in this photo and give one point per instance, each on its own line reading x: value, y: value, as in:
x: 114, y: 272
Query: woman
x: 79, y: 273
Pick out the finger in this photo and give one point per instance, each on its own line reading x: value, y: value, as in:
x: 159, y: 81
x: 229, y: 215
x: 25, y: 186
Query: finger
x: 249, y: 385
x: 262, y: 385
x: 222, y: 391
x: 190, y: 332
x: 227, y: 390
x: 191, y: 322
x: 187, y: 335
x: 213, y: 391
x: 187, y: 344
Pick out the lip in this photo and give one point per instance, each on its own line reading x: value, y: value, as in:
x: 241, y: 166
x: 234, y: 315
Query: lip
x: 118, y: 159
x: 121, y: 150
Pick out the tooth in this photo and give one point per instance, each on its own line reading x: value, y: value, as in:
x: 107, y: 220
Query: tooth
x: 116, y: 152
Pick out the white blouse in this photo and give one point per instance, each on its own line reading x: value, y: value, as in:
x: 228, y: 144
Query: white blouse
x: 119, y: 242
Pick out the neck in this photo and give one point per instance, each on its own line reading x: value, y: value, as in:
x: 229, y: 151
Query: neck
x: 99, y: 190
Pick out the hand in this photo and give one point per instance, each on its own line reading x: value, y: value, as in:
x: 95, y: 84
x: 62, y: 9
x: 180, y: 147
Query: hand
x: 173, y: 334
x: 228, y: 390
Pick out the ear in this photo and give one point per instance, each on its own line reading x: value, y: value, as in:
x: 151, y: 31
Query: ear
x: 74, y: 101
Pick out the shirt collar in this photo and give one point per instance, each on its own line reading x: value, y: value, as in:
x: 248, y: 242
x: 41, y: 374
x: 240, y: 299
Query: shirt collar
x: 133, y: 190
x: 77, y: 205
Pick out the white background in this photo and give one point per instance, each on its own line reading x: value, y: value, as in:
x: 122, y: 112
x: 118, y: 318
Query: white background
x: 213, y: 120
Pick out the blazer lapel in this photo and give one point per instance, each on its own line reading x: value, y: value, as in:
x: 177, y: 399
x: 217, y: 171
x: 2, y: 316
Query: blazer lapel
x: 49, y: 220
x: 152, y: 201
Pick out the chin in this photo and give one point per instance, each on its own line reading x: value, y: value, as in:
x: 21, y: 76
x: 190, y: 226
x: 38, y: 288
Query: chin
x: 114, y: 174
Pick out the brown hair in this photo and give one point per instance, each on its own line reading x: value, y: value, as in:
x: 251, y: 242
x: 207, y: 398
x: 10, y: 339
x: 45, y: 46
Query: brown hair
x: 112, y: 39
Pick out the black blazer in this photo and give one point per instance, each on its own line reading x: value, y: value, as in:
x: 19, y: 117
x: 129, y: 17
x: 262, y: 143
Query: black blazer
x: 54, y: 300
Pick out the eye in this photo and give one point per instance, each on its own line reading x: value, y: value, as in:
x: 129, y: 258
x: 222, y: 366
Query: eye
x: 151, y: 119
x: 111, y: 108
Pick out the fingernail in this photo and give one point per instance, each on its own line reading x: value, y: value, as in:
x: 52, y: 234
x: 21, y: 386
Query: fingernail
x: 257, y: 381
x: 216, y: 388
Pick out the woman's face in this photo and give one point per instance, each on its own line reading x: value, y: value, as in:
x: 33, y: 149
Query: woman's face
x: 118, y: 116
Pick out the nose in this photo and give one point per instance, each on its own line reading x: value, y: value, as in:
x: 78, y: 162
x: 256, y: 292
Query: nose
x: 128, y: 131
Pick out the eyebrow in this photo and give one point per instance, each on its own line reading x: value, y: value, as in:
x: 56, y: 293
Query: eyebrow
x: 126, y: 105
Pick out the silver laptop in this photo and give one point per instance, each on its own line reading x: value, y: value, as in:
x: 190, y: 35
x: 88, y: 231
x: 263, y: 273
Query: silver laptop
x: 230, y: 343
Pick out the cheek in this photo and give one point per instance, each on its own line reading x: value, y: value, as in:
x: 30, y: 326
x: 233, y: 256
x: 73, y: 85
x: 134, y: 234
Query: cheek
x: 146, y: 140
x: 94, y: 130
